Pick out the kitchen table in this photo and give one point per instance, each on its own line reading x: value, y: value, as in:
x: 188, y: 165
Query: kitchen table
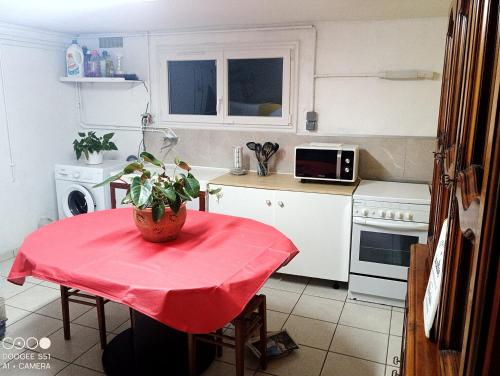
x: 195, y: 284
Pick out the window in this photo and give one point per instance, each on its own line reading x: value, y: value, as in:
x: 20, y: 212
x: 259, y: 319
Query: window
x: 192, y: 87
x: 255, y: 87
x: 241, y: 88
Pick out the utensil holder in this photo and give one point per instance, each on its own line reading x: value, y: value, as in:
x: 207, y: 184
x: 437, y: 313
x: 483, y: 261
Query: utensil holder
x: 262, y: 168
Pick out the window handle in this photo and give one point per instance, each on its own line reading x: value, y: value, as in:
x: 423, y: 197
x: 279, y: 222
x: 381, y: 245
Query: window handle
x: 219, y: 105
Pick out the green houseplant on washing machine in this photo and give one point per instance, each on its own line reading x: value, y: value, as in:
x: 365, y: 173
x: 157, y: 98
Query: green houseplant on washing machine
x: 93, y: 146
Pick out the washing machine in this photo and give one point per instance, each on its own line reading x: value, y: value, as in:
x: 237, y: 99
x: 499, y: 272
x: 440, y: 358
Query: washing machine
x: 75, y: 187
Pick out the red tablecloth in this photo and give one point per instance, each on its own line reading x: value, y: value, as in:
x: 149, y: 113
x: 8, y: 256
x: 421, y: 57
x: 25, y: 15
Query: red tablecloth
x: 196, y: 284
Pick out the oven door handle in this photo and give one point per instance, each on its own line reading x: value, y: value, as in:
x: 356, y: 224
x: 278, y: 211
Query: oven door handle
x: 392, y: 226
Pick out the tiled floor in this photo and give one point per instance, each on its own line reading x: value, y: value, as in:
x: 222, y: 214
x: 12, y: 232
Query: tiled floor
x: 336, y: 337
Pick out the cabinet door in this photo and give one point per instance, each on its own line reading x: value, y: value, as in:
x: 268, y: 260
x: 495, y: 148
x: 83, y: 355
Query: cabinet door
x: 244, y: 202
x: 320, y: 227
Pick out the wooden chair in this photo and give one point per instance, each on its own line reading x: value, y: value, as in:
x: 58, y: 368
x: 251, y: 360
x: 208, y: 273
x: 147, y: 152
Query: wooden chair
x: 245, y: 325
x: 66, y: 294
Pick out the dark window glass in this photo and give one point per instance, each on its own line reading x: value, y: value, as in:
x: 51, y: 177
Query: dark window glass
x: 77, y: 203
x: 192, y: 87
x: 384, y: 248
x: 255, y: 87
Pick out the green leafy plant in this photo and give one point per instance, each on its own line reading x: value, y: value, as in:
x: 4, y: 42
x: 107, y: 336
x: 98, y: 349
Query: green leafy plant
x: 90, y: 143
x: 157, y: 190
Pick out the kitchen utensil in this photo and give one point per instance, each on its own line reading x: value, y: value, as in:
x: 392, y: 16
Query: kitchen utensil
x: 258, y: 152
x: 267, y: 149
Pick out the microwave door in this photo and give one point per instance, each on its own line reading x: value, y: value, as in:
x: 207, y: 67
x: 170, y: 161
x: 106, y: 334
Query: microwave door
x: 382, y: 247
x: 316, y: 164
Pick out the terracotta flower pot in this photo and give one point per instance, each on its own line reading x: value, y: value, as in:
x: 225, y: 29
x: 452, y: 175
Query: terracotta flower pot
x: 165, y: 230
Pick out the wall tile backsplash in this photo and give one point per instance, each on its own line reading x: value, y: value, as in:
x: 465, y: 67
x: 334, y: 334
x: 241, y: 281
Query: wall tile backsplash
x: 381, y: 158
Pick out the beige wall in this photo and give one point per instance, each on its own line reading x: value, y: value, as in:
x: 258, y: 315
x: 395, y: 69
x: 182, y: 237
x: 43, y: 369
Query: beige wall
x: 381, y: 158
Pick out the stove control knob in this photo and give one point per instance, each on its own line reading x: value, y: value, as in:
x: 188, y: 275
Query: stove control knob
x: 399, y: 215
x: 382, y: 213
x: 409, y: 216
x: 364, y: 212
x: 390, y: 214
x: 76, y: 175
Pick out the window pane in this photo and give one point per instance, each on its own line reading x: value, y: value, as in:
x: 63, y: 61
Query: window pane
x: 192, y: 87
x: 255, y: 87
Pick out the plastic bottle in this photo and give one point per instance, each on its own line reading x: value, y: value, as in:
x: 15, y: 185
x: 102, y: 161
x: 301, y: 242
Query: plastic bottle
x: 94, y: 64
x: 102, y: 62
x: 86, y: 58
x: 74, y: 60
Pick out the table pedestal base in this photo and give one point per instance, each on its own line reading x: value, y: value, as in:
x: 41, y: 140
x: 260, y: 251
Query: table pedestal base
x: 152, y: 348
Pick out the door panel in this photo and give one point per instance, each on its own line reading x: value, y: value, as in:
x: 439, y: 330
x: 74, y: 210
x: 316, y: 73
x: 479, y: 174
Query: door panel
x: 244, y: 202
x: 320, y: 226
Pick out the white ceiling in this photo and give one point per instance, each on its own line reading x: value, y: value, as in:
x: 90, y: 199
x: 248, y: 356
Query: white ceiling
x: 97, y: 16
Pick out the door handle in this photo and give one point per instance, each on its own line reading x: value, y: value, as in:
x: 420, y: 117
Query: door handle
x: 392, y: 226
x: 281, y: 204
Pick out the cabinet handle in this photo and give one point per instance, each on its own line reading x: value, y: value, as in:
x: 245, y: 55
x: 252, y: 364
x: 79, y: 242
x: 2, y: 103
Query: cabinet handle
x: 280, y: 204
x: 395, y: 372
x: 268, y: 202
x: 395, y: 360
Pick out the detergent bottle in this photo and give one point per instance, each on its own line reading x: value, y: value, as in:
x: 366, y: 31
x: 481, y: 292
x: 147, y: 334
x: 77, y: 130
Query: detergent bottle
x: 74, y: 60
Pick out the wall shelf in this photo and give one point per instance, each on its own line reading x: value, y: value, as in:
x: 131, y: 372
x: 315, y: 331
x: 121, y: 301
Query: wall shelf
x: 98, y: 80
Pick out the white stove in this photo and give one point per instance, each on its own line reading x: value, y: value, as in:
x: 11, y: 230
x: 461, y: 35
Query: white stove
x: 388, y: 218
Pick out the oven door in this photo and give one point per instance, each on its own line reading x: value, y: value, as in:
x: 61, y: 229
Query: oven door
x: 381, y: 248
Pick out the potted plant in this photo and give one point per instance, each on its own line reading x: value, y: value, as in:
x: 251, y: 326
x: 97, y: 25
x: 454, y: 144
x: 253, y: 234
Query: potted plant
x: 159, y: 200
x: 92, y: 146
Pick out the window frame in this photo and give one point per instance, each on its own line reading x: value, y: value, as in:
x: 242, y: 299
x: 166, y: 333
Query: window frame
x: 188, y: 55
x: 285, y: 118
x: 221, y: 53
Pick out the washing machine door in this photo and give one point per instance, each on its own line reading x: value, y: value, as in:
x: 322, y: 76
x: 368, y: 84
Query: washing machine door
x: 77, y: 200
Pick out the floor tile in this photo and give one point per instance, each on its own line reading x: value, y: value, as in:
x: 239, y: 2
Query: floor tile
x: 51, y: 285
x: 275, y: 320
x: 343, y: 365
x: 397, y: 323
x: 116, y: 315
x: 360, y: 343
x: 370, y: 304
x: 53, y: 309
x: 394, y: 349
x: 364, y: 317
x: 82, y: 339
x: 92, y: 358
x: 251, y: 361
x: 74, y: 370
x: 223, y: 369
x: 305, y: 361
x: 318, y: 308
x: 286, y: 282
x: 310, y: 332
x: 34, y: 325
x: 14, y: 314
x: 7, y: 351
x: 122, y: 327
x: 8, y: 290
x: 33, y: 298
x: 279, y: 300
x: 324, y: 289
x: 28, y: 366
x: 391, y: 371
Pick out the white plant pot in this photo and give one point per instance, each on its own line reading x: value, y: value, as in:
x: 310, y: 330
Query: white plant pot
x: 95, y: 158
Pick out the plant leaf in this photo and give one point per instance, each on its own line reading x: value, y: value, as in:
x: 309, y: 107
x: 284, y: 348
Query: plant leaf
x: 81, y: 134
x: 112, y: 146
x: 107, y: 137
x: 192, y: 186
x: 148, y: 157
x: 214, y: 191
x: 132, y: 167
x: 169, y: 192
x: 158, y: 211
x: 182, y: 164
x: 127, y: 199
x: 140, y: 191
x: 175, y: 205
x: 109, y: 180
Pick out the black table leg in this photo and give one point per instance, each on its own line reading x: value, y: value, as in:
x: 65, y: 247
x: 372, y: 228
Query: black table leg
x: 153, y: 348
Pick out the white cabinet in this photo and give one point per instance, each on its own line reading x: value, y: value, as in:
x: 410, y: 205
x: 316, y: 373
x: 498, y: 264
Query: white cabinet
x: 244, y: 202
x: 318, y: 224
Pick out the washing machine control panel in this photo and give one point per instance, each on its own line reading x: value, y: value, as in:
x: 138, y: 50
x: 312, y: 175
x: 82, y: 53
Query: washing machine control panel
x: 79, y: 174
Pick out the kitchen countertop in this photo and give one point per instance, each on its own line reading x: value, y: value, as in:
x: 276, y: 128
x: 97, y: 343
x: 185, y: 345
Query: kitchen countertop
x: 284, y: 182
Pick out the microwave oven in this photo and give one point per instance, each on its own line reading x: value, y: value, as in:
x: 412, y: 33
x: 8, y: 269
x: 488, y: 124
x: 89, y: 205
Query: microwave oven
x: 326, y: 162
